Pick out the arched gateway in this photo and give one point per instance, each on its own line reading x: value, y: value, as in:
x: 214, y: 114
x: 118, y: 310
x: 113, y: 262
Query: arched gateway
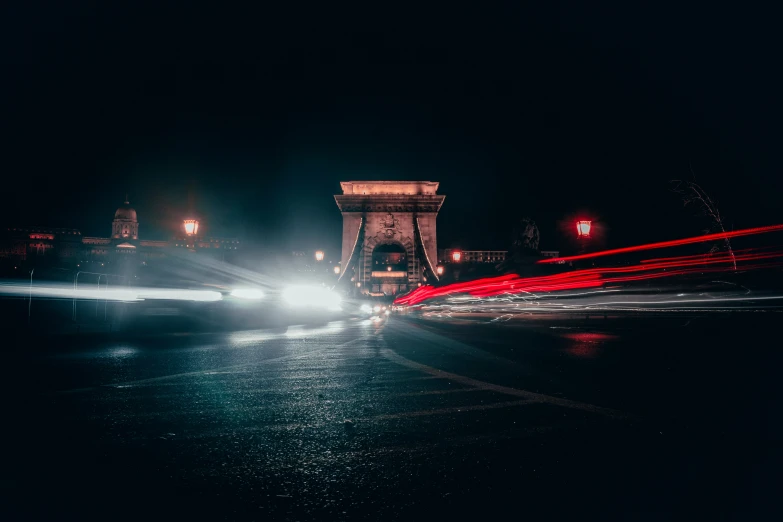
x: 389, y: 234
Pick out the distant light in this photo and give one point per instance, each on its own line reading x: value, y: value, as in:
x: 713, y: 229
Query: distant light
x: 336, y: 269
x: 191, y: 227
x: 376, y: 308
x: 178, y: 295
x: 388, y: 269
x: 247, y: 293
x: 358, y: 285
x: 456, y: 256
x: 311, y: 296
x: 439, y: 270
x: 388, y: 312
x: 319, y: 255
x: 366, y: 308
x: 583, y: 228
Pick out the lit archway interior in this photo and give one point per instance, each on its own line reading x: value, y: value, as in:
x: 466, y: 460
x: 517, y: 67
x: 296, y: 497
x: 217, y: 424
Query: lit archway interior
x: 389, y: 269
x: 389, y: 258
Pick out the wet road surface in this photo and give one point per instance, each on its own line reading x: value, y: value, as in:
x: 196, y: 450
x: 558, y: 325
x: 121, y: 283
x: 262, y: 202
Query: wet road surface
x: 401, y: 418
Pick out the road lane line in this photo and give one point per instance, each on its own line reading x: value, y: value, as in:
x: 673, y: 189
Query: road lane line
x: 444, y: 442
x: 131, y: 384
x: 531, y: 396
x: 447, y: 411
x: 436, y: 392
x: 372, y: 418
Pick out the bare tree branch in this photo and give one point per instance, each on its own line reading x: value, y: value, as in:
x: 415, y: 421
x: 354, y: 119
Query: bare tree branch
x: 692, y: 194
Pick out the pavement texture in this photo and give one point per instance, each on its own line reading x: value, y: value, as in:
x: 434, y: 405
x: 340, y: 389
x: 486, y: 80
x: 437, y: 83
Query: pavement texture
x: 652, y: 418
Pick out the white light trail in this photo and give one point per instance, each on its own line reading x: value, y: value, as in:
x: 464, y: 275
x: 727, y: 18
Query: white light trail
x: 67, y: 291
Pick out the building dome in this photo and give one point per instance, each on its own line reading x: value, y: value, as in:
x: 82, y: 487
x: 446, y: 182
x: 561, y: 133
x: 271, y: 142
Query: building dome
x: 125, y: 212
x: 125, y: 224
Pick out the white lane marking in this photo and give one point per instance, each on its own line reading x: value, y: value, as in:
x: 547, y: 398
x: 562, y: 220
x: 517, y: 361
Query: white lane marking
x: 401, y: 380
x: 529, y: 396
x: 363, y: 421
x: 447, y: 411
x: 436, y: 392
x: 130, y: 384
x: 457, y: 440
x: 317, y: 424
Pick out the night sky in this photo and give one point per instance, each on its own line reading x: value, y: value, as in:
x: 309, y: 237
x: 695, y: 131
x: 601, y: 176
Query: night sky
x: 253, y: 117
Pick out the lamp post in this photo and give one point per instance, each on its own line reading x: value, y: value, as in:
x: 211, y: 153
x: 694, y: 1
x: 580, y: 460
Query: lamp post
x: 583, y: 228
x: 456, y: 257
x: 190, y: 226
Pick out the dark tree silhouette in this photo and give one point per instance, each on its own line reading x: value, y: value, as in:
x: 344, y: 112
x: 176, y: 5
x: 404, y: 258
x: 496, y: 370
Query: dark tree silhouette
x: 692, y: 194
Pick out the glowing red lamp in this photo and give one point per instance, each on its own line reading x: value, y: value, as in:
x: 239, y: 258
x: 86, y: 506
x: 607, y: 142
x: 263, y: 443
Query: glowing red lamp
x: 583, y: 228
x: 191, y: 227
x: 456, y: 256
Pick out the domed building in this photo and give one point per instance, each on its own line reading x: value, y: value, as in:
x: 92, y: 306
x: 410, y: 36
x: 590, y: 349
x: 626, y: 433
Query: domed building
x: 104, y: 254
x: 125, y: 224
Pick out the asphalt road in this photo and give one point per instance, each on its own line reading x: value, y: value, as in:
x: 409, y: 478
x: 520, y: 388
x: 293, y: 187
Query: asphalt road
x: 654, y: 418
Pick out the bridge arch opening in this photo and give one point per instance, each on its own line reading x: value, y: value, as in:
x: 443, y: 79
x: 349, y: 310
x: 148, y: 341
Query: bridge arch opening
x: 389, y: 257
x: 389, y: 234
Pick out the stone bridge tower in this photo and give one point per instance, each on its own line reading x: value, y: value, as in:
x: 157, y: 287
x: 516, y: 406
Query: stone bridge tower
x: 389, y: 235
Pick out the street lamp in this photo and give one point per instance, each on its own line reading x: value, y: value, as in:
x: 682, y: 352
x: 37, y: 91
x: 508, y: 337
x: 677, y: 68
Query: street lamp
x: 319, y: 255
x: 191, y: 227
x: 456, y: 256
x: 439, y: 270
x: 583, y: 228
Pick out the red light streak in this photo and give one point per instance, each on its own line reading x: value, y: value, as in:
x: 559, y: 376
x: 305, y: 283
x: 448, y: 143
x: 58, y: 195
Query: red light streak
x: 705, y: 257
x: 596, y: 277
x: 667, y: 244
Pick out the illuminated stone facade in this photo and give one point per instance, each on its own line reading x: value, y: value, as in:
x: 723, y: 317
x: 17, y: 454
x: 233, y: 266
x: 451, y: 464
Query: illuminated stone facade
x: 125, y: 224
x: 472, y: 256
x: 65, y: 245
x: 389, y: 234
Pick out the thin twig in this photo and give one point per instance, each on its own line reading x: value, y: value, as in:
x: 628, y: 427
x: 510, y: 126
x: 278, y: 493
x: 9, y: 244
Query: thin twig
x: 692, y: 193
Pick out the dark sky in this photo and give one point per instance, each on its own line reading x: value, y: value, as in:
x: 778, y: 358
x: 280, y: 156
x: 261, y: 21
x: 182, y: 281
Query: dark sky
x: 254, y: 116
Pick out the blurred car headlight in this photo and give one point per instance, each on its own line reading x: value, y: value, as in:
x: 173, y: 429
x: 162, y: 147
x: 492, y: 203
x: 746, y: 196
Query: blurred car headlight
x: 376, y: 309
x: 311, y: 297
x: 367, y: 309
x: 247, y: 293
